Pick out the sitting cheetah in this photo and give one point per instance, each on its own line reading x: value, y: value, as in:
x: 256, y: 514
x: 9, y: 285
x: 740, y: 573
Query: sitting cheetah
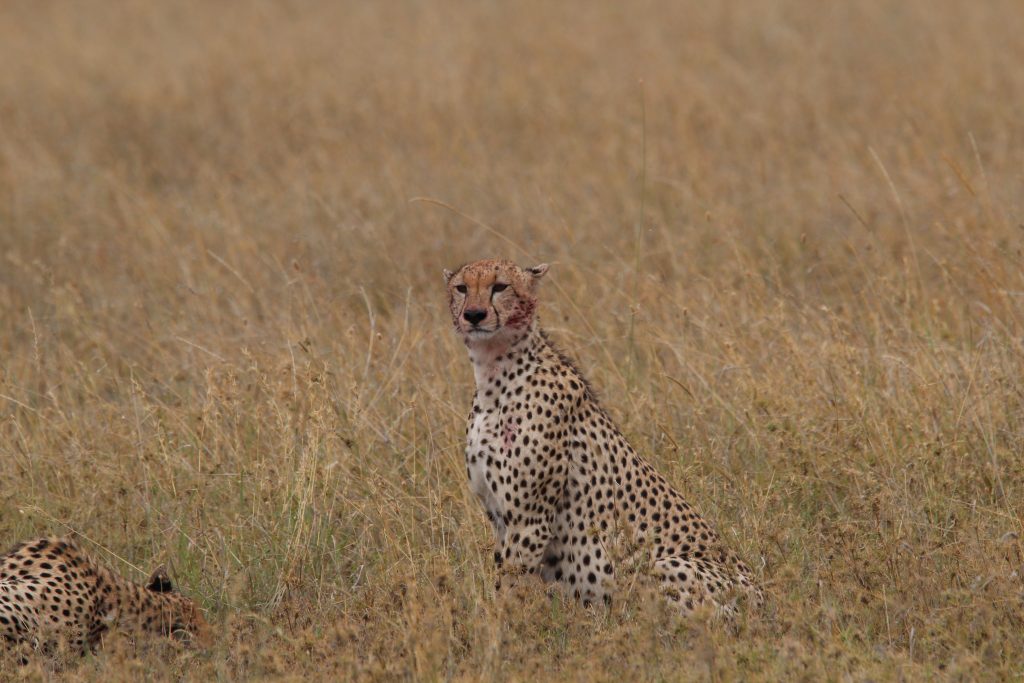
x: 51, y: 591
x: 567, y: 495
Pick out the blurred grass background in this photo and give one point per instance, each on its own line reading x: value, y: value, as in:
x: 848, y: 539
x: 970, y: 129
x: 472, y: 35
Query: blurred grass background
x: 786, y: 242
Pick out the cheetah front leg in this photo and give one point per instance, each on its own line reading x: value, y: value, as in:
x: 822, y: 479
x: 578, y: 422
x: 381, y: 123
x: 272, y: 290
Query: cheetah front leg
x: 523, y: 550
x: 500, y: 532
x: 533, y: 494
x: 586, y: 568
x: 529, y: 537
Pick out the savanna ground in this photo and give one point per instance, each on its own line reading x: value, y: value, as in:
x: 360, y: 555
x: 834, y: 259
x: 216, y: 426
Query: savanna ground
x: 789, y: 259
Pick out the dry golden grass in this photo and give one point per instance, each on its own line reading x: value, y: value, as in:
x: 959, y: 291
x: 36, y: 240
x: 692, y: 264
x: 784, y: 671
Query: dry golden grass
x: 790, y: 261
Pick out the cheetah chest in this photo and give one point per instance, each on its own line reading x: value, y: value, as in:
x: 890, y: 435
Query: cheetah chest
x: 486, y: 459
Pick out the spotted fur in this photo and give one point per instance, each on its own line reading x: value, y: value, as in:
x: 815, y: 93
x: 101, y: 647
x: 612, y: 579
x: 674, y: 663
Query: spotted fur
x: 51, y: 592
x: 568, y: 497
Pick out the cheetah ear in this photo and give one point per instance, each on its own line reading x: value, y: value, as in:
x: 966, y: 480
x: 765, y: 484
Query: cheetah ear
x: 448, y: 275
x: 159, y: 581
x: 538, y: 271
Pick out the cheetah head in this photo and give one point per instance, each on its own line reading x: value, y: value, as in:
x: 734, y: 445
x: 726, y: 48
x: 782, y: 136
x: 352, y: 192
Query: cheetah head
x: 493, y: 300
x: 181, y: 619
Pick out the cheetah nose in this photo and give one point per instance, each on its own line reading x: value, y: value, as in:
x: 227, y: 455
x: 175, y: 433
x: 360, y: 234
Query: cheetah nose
x: 474, y: 315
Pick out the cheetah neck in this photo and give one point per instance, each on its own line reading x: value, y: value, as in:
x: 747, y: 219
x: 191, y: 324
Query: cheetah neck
x: 130, y: 605
x: 491, y: 356
x: 156, y: 611
x: 115, y: 591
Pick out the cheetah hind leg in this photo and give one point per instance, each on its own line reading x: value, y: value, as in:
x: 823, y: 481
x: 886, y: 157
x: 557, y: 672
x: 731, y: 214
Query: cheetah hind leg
x: 691, y: 582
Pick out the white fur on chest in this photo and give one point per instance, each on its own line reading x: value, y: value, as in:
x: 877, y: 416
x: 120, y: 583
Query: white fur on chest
x: 483, y: 451
x: 489, y: 439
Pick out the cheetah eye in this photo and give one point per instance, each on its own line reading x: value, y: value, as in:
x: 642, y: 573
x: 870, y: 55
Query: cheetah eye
x: 461, y: 289
x: 497, y: 287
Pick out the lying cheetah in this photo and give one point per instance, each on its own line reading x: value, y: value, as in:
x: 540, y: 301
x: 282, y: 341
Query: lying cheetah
x: 51, y: 591
x: 564, y: 490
